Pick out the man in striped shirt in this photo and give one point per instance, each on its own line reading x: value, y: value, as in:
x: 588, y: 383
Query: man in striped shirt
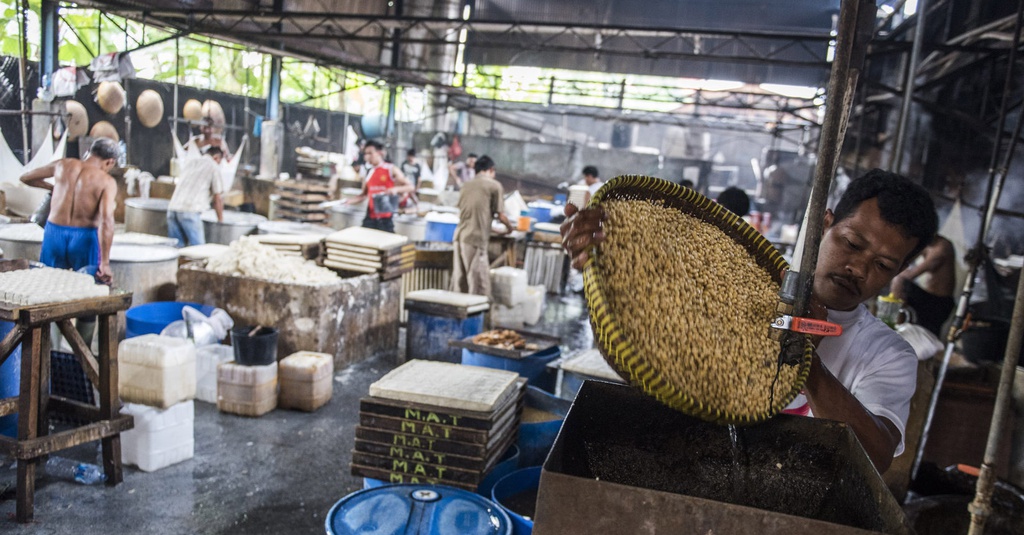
x: 198, y: 185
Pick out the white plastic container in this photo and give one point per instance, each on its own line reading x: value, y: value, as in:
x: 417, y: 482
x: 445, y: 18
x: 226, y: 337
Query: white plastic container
x: 160, y: 438
x: 156, y: 370
x: 508, y: 285
x: 533, y: 304
x: 306, y: 380
x: 207, y: 360
x: 246, y: 390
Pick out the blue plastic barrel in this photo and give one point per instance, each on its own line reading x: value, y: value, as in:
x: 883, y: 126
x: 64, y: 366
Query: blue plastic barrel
x: 427, y: 335
x: 516, y: 493
x: 440, y: 231
x: 533, y: 367
x: 10, y: 381
x: 508, y: 463
x: 417, y: 510
x: 537, y: 438
x: 151, y: 318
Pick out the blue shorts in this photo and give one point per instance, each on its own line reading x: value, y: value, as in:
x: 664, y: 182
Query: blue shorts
x: 70, y: 247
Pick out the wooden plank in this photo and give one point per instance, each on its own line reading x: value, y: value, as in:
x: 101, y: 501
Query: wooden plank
x: 36, y: 447
x: 444, y: 474
x: 461, y: 462
x: 299, y: 207
x: 110, y: 400
x: 16, y: 264
x: 294, y: 196
x: 9, y: 342
x: 418, y: 412
x: 391, y: 477
x: 37, y: 315
x: 422, y: 443
x: 303, y: 185
x: 8, y: 406
x: 28, y: 422
x: 43, y: 425
x: 488, y: 439
x: 81, y: 351
x: 75, y: 409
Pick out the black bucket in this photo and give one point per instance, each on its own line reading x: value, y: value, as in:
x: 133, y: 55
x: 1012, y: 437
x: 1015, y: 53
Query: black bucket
x: 259, y: 349
x: 984, y: 340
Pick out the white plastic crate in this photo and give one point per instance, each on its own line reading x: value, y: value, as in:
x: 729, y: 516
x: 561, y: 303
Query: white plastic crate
x: 156, y: 370
x: 508, y: 285
x: 160, y: 438
x: 207, y: 360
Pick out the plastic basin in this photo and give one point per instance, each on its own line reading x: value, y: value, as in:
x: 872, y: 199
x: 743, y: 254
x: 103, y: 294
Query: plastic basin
x: 438, y: 231
x: 516, y: 493
x: 533, y: 367
x: 151, y: 318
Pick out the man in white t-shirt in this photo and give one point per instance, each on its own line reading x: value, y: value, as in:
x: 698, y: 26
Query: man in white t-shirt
x: 866, y: 376
x: 198, y: 187
x: 592, y: 179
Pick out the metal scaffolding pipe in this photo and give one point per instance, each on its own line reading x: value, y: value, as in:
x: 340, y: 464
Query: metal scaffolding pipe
x: 978, y: 253
x: 896, y: 160
x: 856, y: 19
x: 26, y: 143
x: 981, y: 507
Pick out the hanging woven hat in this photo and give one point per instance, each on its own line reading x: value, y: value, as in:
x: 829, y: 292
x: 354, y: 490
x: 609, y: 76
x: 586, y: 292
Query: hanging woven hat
x: 104, y: 129
x: 77, y: 119
x: 193, y: 110
x: 150, y: 108
x: 213, y: 110
x: 110, y: 96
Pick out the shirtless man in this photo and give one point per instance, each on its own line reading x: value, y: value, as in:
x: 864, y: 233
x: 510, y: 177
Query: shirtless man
x: 80, y: 228
x: 933, y: 299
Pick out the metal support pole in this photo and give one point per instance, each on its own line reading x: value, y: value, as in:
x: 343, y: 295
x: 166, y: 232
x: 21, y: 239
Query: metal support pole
x: 396, y: 54
x: 856, y: 23
x: 48, y: 43
x: 978, y: 253
x: 26, y: 143
x: 274, y: 90
x: 981, y: 507
x: 896, y: 159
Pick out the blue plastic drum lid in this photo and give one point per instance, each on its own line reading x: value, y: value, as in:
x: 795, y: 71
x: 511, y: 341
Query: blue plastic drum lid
x: 417, y: 510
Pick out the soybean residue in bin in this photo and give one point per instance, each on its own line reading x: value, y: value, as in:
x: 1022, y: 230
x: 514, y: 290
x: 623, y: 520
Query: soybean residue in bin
x: 695, y: 305
x: 791, y: 465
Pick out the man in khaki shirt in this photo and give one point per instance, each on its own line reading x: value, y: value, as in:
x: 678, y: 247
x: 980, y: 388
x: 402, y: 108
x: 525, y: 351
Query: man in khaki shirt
x: 481, y: 201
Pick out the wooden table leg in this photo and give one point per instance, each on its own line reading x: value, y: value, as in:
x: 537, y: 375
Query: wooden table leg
x: 28, y: 419
x: 110, y: 400
x: 43, y: 427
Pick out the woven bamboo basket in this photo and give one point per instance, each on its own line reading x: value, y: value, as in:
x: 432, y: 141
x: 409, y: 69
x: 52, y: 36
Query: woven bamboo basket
x: 614, y: 342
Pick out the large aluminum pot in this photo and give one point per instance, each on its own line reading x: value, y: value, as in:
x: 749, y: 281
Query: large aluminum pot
x: 21, y: 240
x: 235, y: 225
x: 344, y: 216
x: 150, y: 272
x: 292, y: 228
x: 148, y: 216
x: 411, y: 226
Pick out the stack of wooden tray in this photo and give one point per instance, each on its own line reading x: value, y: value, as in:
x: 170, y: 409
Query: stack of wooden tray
x: 438, y: 423
x: 299, y: 200
x: 302, y: 245
x: 362, y: 250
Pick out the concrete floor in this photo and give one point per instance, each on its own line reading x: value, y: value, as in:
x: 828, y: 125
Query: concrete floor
x: 277, y: 474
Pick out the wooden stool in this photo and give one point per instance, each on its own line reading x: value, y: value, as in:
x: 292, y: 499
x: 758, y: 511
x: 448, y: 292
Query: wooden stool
x: 34, y: 402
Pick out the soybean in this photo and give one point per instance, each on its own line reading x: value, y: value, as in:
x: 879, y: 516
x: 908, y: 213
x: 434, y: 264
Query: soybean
x: 695, y: 304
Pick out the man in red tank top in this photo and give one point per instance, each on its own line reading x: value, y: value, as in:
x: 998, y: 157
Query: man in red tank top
x: 382, y: 179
